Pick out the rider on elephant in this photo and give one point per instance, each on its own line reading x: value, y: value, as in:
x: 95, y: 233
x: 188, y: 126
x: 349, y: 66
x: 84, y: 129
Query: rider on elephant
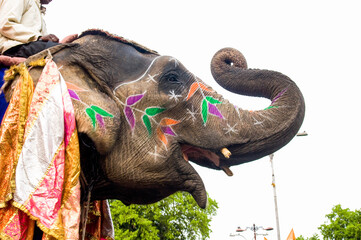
x: 23, y: 29
x: 23, y: 33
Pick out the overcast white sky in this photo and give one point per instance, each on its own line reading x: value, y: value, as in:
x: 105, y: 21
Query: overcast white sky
x: 316, y: 43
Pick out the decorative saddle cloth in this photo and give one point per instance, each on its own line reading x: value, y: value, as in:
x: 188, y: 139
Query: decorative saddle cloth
x: 40, y: 163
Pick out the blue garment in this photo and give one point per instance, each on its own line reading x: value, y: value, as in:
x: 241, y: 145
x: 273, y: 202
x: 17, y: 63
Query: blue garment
x: 3, y: 103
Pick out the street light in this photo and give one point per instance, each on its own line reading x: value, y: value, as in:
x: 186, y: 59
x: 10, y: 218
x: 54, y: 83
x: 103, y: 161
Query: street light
x: 275, y: 198
x: 254, y: 229
x: 237, y: 235
x: 300, y: 134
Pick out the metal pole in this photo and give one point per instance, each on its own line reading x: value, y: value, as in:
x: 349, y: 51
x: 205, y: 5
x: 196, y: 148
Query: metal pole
x: 275, y: 198
x: 254, y: 229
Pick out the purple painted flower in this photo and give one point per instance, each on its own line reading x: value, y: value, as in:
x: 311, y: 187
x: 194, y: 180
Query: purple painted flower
x: 214, y: 110
x: 100, y: 120
x: 130, y: 116
x: 73, y: 94
x: 131, y: 100
x: 167, y: 130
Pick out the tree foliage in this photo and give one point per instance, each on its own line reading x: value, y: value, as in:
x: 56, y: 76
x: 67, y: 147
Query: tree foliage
x: 176, y: 217
x: 342, y: 224
x: 314, y: 237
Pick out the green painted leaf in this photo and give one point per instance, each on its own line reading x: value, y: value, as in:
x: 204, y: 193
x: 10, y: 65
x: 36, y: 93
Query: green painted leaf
x: 101, y: 111
x: 91, y: 113
x: 212, y: 100
x: 270, y: 107
x: 147, y: 124
x: 204, y: 111
x: 154, y: 111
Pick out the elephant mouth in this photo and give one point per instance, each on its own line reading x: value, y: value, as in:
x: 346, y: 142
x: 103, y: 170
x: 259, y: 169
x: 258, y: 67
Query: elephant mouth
x: 206, y: 158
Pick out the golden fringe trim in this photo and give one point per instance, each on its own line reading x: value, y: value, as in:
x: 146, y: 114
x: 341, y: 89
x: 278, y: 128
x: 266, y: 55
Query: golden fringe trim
x: 14, y: 70
x: 40, y: 225
x: 3, y: 236
x: 38, y: 63
x: 4, y: 203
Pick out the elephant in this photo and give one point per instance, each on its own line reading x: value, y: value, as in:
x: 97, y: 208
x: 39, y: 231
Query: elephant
x: 156, y: 116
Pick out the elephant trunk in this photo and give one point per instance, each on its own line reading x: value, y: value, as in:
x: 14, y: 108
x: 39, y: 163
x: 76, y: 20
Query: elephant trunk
x: 271, y: 128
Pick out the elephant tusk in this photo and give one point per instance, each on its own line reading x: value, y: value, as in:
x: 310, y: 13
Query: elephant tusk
x: 226, y: 153
x: 227, y: 170
x: 185, y: 156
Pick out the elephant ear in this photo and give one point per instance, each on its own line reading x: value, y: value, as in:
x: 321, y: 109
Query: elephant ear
x: 96, y: 110
x: 93, y: 67
x: 109, y: 59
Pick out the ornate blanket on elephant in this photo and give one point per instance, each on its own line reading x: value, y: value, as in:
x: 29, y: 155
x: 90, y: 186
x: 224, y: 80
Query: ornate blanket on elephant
x: 40, y: 162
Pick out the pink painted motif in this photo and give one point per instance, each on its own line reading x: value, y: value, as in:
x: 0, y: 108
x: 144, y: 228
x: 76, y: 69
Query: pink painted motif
x: 95, y: 113
x: 279, y: 95
x: 164, y: 129
x: 208, y: 102
x: 128, y: 111
x: 214, y: 111
x: 131, y: 100
x: 100, y: 120
x: 168, y: 130
x: 130, y: 117
x: 73, y: 95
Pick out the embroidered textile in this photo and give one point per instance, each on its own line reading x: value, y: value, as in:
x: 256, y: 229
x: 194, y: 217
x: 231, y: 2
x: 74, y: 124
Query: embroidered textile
x: 41, y: 181
x: 40, y: 163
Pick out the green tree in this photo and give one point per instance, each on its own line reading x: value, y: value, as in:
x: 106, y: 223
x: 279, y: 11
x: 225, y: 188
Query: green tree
x: 342, y: 224
x: 314, y: 237
x: 176, y: 217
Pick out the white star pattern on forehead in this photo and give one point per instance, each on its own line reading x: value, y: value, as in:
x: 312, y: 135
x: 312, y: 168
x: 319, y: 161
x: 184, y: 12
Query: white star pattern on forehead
x: 174, y: 96
x: 231, y: 129
x: 257, y: 122
x: 151, y: 78
x: 155, y: 154
x: 176, y: 63
x: 192, y: 114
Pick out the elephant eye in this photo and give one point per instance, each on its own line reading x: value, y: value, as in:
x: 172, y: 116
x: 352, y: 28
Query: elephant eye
x: 172, y: 78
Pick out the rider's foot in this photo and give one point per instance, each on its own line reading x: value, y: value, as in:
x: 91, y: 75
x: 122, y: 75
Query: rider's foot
x: 9, y: 61
x: 69, y: 38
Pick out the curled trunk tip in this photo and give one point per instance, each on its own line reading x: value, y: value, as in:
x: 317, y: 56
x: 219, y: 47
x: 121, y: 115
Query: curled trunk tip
x: 227, y: 58
x: 277, y: 124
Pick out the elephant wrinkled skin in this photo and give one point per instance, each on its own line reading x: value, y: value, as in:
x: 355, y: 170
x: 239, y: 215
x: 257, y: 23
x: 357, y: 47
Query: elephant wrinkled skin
x: 155, y: 116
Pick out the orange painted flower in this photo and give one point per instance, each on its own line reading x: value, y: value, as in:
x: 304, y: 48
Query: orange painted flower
x: 194, y: 87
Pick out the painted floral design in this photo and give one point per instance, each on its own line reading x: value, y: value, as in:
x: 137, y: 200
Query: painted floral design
x: 95, y: 113
x: 128, y: 111
x: 150, y: 112
x: 208, y: 105
x: 164, y: 128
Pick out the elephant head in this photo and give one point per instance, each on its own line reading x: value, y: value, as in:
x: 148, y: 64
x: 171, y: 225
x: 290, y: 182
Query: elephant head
x: 142, y: 117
